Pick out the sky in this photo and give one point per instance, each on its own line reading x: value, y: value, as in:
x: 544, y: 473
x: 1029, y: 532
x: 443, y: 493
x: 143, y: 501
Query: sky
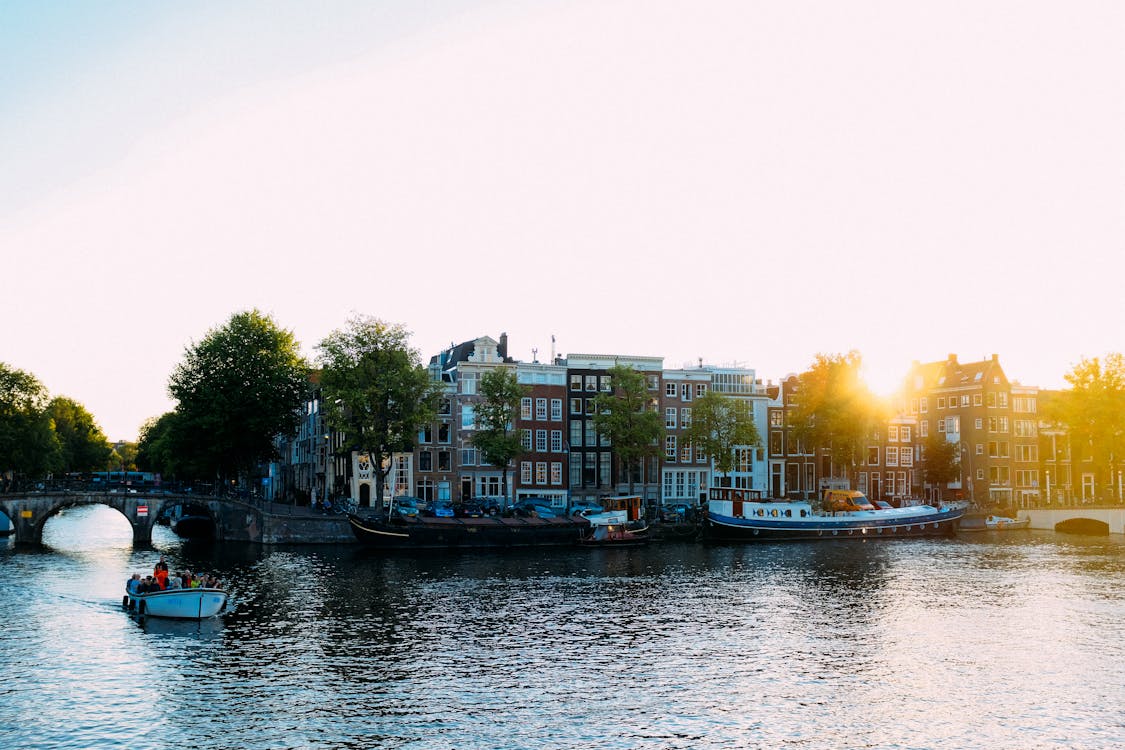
x: 743, y: 182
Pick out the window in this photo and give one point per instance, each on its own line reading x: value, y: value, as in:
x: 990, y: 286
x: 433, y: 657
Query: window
x: 591, y: 383
x: 444, y: 407
x: 425, y: 461
x: 575, y: 382
x: 606, y: 383
x: 965, y: 400
x: 873, y: 456
x: 467, y: 416
x: 924, y: 405
x: 469, y: 383
x: 941, y: 402
x: 977, y: 399
x: 685, y: 417
x: 670, y: 418
x: 591, y: 434
x: 426, y: 434
x: 700, y: 456
x: 685, y: 391
x: 1002, y: 399
x: 541, y: 409
x: 924, y: 428
x: 978, y: 423
x: 670, y: 447
x: 540, y: 441
x: 443, y: 433
x: 604, y: 465
x: 953, y: 424
x: 653, y: 382
x: 892, y: 456
x: 556, y: 472
x: 990, y: 400
x: 556, y: 441
x: 426, y: 489
x: 913, y: 406
x: 904, y: 434
x: 685, y: 453
x: 525, y: 439
x: 469, y: 456
x: 556, y: 410
x: 1027, y: 453
x: 892, y: 434
x: 576, y: 406
x: 941, y: 425
x: 1024, y: 428
x: 525, y: 408
x: 590, y: 406
x: 777, y: 418
x: 540, y: 472
x: 670, y: 390
x: 775, y: 442
x: 576, y: 434
x: 525, y: 472
x: 700, y: 389
x: 905, y: 457
x: 576, y: 470
x: 443, y: 462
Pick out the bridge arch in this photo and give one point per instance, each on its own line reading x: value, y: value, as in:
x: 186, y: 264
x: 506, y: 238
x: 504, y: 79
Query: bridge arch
x: 1083, y: 525
x: 29, y: 513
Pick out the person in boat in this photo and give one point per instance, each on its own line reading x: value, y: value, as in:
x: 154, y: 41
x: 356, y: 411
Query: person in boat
x: 160, y: 570
x: 174, y: 581
x: 133, y: 584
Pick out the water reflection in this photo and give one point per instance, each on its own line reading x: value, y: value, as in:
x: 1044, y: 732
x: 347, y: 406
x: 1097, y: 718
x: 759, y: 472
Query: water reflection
x: 919, y: 643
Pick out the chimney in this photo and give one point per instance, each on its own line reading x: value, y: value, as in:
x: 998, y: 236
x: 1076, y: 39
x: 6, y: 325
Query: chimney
x: 952, y: 359
x: 995, y: 357
x: 502, y: 348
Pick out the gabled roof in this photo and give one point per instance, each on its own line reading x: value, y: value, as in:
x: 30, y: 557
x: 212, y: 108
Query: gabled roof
x: 949, y: 373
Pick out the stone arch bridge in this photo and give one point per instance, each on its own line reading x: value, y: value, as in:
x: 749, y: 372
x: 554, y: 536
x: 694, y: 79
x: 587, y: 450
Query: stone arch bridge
x: 1111, y: 518
x: 235, y: 520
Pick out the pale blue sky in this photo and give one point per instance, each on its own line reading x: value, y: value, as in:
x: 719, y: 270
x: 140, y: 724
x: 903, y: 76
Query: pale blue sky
x: 738, y: 181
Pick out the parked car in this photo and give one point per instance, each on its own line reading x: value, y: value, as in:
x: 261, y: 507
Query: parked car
x: 676, y: 513
x: 442, y: 509
x: 405, y: 505
x: 538, y: 506
x: 583, y: 506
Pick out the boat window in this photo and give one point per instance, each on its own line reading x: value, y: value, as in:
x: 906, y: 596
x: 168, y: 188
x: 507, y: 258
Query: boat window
x: 802, y: 513
x: 788, y: 513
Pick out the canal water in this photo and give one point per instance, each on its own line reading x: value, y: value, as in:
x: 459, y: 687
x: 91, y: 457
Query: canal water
x: 1012, y: 640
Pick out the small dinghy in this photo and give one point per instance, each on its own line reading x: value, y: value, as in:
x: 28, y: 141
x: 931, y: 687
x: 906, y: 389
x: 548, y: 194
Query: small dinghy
x: 179, y: 604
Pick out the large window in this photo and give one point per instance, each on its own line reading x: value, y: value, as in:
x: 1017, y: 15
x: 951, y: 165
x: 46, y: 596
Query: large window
x: 685, y: 417
x: 540, y: 441
x: 556, y: 441
x: 540, y: 472
x: 468, y: 416
x: 425, y: 461
x: 556, y: 410
x: 469, y: 383
x: 525, y: 472
x: 670, y: 447
x: 670, y: 418
x: 541, y: 409
x: 525, y: 408
x: 556, y: 472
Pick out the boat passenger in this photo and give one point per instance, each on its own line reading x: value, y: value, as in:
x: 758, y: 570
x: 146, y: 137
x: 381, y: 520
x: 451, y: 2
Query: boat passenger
x: 160, y: 570
x: 174, y: 582
x: 133, y: 584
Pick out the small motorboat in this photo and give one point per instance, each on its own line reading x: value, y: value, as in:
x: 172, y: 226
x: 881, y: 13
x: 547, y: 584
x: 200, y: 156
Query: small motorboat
x: 179, y: 604
x: 613, y: 529
x: 1003, y: 523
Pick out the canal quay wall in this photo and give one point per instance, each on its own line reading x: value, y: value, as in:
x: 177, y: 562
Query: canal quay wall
x: 281, y: 526
x: 1048, y: 518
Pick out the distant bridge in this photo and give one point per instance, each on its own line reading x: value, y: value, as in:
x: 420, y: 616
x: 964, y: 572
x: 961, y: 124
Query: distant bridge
x: 235, y: 520
x: 1113, y: 516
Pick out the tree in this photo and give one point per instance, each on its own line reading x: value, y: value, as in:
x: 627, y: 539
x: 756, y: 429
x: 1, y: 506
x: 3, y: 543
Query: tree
x: 237, y: 389
x: 28, y: 444
x: 1093, y: 410
x: 376, y: 390
x: 82, y: 445
x: 719, y: 424
x: 628, y: 418
x: 941, y: 462
x: 496, y: 413
x: 834, y: 411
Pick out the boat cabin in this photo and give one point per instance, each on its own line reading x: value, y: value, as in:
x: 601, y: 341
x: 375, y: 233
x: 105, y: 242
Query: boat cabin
x: 633, y: 505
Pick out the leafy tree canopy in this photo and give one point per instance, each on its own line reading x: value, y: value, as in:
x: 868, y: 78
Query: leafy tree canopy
x: 833, y: 410
x: 237, y: 389
x: 28, y: 444
x: 719, y: 424
x: 83, y: 446
x: 628, y: 417
x: 942, y: 460
x: 1093, y: 410
x: 375, y: 389
x: 498, y: 443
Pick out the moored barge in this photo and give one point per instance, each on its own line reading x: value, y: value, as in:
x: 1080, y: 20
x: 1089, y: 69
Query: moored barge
x: 735, y: 515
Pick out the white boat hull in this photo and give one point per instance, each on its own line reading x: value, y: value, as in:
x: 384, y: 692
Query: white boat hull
x: 180, y: 604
